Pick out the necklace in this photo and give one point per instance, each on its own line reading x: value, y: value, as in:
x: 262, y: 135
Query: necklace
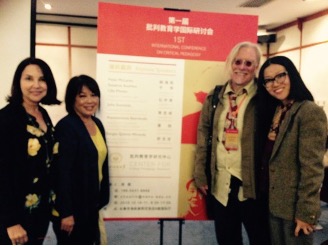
x: 277, y: 119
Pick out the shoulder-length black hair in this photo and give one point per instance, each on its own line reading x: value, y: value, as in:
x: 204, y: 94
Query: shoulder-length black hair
x: 74, y: 88
x: 16, y: 96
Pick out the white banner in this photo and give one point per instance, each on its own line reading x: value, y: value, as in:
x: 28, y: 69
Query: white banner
x: 141, y: 109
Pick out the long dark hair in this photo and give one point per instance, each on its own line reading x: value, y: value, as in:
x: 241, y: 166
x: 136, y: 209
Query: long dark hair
x: 16, y: 96
x: 298, y: 89
x: 267, y: 104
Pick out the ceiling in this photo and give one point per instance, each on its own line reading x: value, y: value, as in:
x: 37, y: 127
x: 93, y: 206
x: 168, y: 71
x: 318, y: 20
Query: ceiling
x: 272, y: 13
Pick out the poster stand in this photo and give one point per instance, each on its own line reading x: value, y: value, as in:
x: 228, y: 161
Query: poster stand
x: 161, y: 222
x: 154, y: 96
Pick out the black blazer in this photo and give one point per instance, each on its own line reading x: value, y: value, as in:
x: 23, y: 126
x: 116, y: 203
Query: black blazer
x: 14, y: 181
x: 78, y: 192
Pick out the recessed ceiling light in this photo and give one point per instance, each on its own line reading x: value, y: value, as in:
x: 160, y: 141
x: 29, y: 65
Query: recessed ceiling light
x: 47, y: 6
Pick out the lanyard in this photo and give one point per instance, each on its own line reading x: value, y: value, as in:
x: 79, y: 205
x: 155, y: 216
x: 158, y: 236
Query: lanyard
x: 234, y: 113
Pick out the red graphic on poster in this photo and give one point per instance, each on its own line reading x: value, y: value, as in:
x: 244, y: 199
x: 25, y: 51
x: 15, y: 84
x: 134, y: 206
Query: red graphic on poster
x: 196, y: 202
x: 190, y: 122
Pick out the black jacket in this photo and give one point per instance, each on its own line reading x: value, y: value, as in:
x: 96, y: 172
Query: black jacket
x: 78, y: 192
x: 15, y: 171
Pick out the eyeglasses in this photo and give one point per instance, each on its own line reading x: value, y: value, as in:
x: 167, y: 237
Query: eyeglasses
x: 280, y: 78
x: 247, y: 63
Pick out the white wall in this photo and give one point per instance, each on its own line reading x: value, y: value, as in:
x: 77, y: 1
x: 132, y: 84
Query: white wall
x: 14, y: 39
x: 308, y: 49
x: 69, y: 51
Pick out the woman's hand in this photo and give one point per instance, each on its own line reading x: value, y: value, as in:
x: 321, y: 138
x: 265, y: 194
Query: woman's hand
x: 204, y: 189
x: 17, y: 234
x: 67, y: 224
x: 301, y: 225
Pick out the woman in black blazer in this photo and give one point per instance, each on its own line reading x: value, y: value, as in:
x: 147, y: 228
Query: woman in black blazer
x: 82, y: 177
x: 27, y: 148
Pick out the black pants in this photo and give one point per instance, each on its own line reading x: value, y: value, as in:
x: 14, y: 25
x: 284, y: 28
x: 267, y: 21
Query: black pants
x: 85, y: 234
x: 228, y: 220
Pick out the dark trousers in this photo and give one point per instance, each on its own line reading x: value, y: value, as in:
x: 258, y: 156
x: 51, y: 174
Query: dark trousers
x: 251, y: 213
x: 282, y: 232
x: 36, y: 231
x: 86, y: 234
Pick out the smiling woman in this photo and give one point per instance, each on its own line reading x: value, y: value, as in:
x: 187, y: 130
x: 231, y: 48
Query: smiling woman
x: 294, y: 133
x: 82, y: 176
x: 26, y: 157
x: 277, y: 83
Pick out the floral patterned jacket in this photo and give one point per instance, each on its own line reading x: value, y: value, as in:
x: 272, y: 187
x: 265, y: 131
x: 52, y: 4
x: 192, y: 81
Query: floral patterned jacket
x: 26, y: 154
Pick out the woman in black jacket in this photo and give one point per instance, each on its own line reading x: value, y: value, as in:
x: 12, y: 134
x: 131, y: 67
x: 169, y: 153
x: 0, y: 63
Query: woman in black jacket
x: 82, y: 166
x: 27, y: 148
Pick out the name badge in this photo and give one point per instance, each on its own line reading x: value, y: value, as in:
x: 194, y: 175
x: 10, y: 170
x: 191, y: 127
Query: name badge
x: 231, y: 139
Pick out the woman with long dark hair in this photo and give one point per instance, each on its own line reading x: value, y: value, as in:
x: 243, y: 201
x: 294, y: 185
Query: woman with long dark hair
x: 294, y: 130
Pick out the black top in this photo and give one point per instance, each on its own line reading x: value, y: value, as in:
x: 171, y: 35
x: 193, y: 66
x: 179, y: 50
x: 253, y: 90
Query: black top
x: 26, y: 154
x: 78, y: 191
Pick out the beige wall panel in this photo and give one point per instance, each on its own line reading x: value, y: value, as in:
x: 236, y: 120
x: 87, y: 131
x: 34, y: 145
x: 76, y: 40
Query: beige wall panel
x: 57, y: 59
x: 294, y: 56
x: 316, y: 30
x: 84, y: 36
x: 84, y: 61
x: 51, y: 34
x: 315, y: 72
x: 288, y: 38
x: 14, y: 39
x: 263, y: 48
